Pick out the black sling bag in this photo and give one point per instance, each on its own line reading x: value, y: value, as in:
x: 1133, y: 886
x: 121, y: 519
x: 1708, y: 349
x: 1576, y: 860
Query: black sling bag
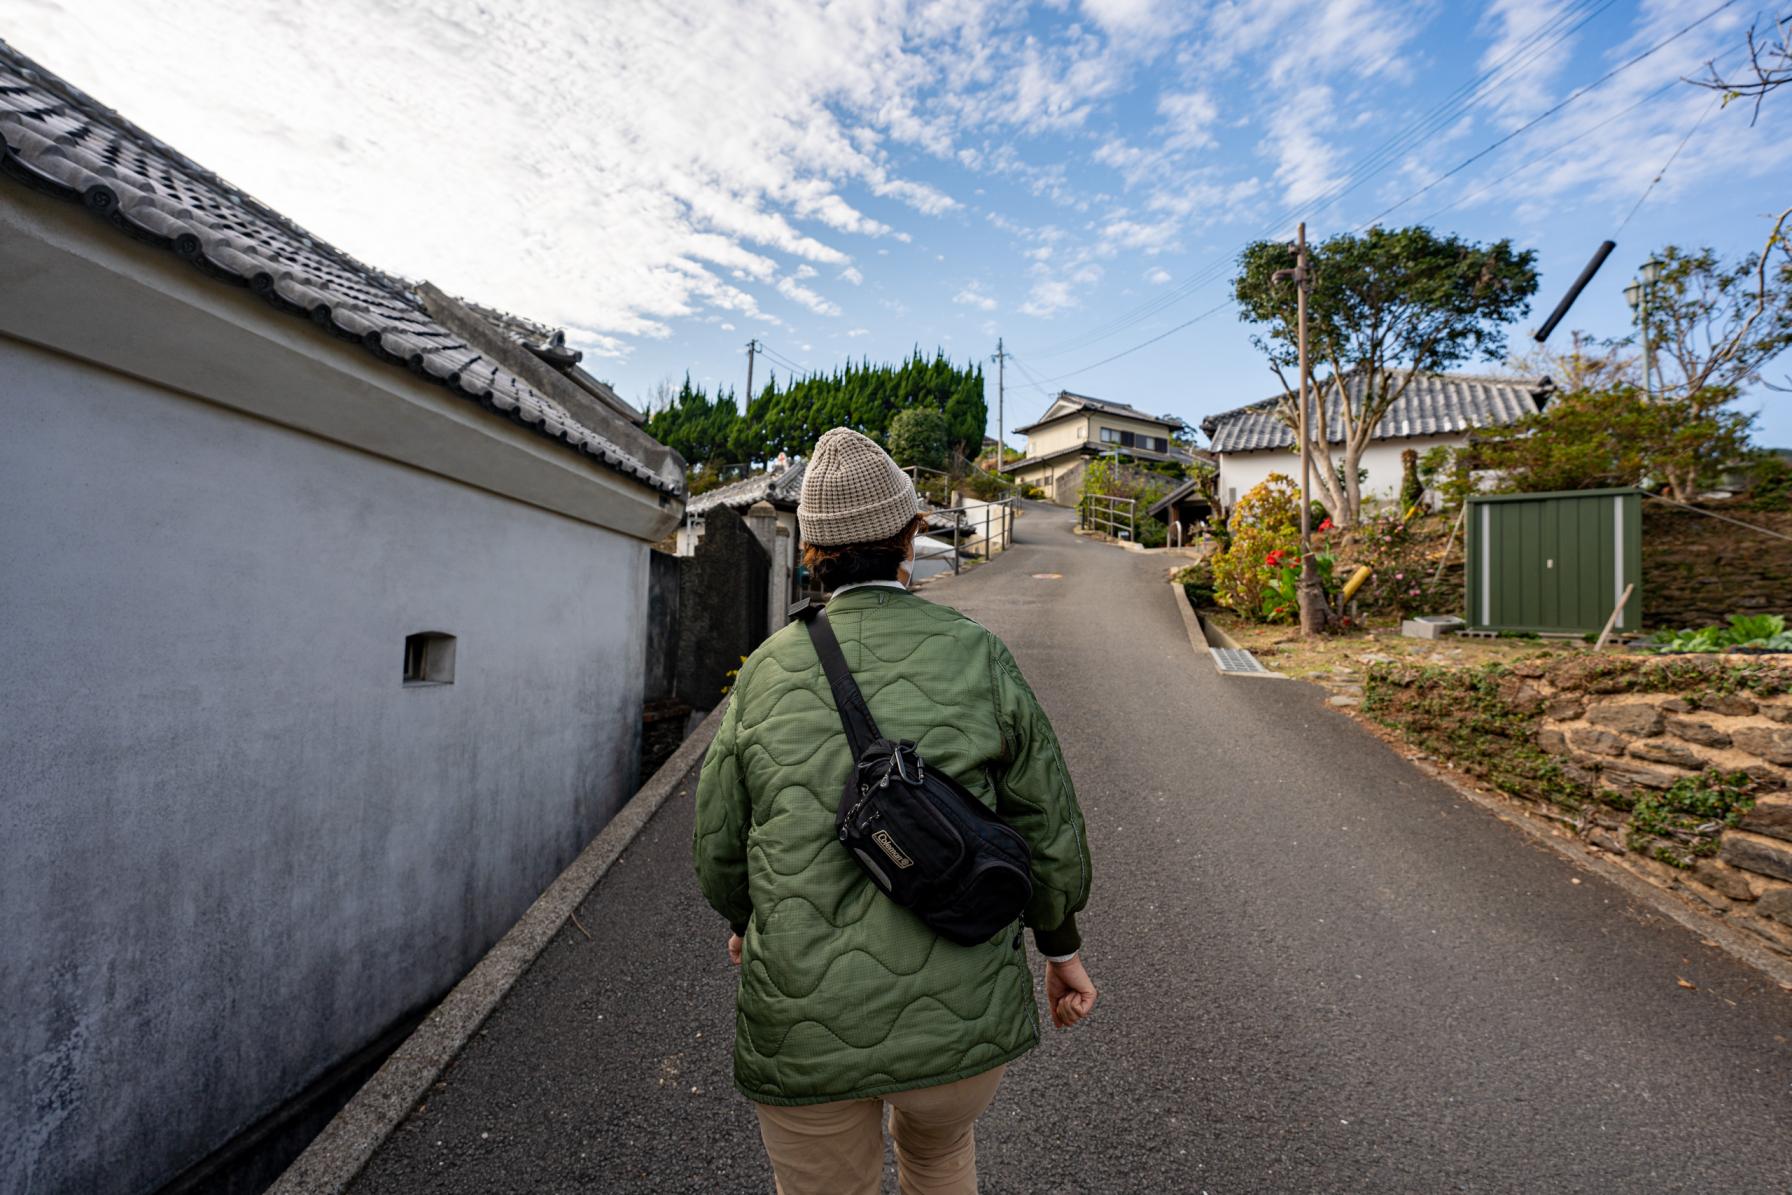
x: 926, y: 843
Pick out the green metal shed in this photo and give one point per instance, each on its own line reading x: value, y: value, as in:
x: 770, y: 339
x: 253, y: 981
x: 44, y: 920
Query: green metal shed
x: 1554, y: 562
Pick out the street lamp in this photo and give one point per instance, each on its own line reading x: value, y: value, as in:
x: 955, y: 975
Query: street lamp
x: 1637, y: 295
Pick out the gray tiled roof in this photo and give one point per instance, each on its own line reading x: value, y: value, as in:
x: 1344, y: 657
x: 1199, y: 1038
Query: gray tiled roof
x: 58, y: 140
x: 1079, y: 402
x: 780, y: 487
x: 1433, y: 405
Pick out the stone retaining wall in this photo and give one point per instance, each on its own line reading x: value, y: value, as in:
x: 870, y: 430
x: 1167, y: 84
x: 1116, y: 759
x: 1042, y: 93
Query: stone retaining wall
x: 1679, y: 768
x: 1698, y: 571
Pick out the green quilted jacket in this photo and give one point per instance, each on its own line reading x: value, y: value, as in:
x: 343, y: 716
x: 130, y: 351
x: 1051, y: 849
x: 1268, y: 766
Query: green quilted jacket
x: 843, y: 994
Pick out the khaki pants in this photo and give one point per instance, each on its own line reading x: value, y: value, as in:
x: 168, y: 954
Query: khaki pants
x: 838, y: 1148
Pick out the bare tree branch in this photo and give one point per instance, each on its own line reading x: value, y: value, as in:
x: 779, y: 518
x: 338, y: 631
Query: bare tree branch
x: 1770, y: 63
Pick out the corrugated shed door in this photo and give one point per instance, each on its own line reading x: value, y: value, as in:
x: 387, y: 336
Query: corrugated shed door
x: 1554, y: 562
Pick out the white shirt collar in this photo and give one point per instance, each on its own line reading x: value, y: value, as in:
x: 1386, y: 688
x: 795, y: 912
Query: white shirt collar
x: 866, y: 585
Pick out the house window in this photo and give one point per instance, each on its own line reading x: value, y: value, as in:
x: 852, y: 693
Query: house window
x: 1159, y: 444
x: 1110, y: 436
x: 429, y: 658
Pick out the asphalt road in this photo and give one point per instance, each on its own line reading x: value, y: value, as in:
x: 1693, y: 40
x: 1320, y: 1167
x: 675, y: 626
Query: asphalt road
x: 1321, y: 970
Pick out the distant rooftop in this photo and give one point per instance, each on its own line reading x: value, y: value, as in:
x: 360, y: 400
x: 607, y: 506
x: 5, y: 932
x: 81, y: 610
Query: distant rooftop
x: 779, y: 486
x: 1433, y: 405
x: 1068, y: 403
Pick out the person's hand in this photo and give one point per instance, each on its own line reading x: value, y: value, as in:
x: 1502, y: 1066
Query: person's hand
x: 734, y: 949
x: 1069, y: 992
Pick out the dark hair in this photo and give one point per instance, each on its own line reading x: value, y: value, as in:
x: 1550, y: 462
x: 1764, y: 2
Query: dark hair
x: 834, y: 565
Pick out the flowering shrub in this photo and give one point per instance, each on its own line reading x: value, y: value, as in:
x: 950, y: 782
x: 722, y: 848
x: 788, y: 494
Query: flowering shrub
x: 1404, y: 557
x: 1265, y: 528
x: 1272, y: 503
x: 1281, y: 594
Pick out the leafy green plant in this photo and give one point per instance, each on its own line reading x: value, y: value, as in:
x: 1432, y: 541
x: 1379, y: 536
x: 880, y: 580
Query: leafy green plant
x: 1683, y: 823
x: 1771, y: 486
x: 1744, y: 632
x: 1593, y: 439
x: 1197, y: 581
x: 917, y: 436
x: 1264, y: 522
x: 1280, y: 601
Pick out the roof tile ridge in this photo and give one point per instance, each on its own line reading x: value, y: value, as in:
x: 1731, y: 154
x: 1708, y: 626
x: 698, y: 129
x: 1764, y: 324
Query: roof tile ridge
x: 38, y: 75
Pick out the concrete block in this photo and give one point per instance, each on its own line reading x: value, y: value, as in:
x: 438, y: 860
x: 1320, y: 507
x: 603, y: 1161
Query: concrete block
x: 1430, y: 626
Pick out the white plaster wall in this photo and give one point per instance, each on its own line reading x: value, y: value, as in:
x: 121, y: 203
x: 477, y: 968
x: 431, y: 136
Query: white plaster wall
x: 234, y: 847
x: 1239, y: 471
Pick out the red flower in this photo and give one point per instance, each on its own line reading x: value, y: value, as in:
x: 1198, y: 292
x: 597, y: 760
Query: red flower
x: 1326, y: 525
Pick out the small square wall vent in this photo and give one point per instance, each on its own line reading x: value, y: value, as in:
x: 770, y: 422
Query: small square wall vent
x: 429, y: 658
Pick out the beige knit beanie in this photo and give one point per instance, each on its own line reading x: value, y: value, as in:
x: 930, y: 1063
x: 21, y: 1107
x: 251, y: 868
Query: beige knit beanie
x: 853, y: 493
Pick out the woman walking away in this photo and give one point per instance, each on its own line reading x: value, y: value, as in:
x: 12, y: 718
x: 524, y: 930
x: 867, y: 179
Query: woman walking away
x: 848, y: 1001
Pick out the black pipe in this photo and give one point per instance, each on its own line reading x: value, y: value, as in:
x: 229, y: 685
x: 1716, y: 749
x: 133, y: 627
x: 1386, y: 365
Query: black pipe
x: 1580, y: 284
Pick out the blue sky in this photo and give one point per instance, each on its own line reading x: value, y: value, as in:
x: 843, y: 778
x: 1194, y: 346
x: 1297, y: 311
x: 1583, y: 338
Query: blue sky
x: 857, y: 178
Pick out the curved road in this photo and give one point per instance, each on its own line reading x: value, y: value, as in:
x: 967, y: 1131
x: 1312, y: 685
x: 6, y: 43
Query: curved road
x: 1321, y: 971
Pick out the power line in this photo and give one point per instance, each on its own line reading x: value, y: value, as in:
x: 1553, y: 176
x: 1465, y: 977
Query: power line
x: 1450, y: 108
x: 1545, y: 115
x: 1211, y: 273
x: 1716, y: 100
x: 1217, y: 307
x: 1546, y: 154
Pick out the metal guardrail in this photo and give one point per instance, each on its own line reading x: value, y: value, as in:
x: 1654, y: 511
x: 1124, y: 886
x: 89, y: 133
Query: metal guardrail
x: 988, y: 524
x: 1119, y: 517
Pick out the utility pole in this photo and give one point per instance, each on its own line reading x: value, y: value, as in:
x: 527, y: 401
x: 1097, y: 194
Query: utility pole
x: 752, y: 347
x: 1001, y: 360
x: 1312, y: 598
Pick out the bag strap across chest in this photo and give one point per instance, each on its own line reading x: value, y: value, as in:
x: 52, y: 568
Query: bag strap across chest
x: 855, y: 715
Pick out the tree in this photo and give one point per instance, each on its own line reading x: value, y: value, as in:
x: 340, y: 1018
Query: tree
x: 1769, y: 67
x: 1713, y: 326
x: 918, y: 437
x: 1594, y: 439
x: 1591, y: 363
x: 701, y: 430
x: 1383, y: 307
x: 1718, y: 323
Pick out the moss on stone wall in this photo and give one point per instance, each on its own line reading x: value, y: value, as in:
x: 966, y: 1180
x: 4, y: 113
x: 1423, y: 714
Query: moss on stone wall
x: 1483, y: 720
x: 1678, y: 767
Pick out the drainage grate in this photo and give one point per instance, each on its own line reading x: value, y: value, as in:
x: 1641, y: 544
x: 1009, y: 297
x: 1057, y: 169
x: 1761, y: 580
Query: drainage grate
x: 1236, y: 659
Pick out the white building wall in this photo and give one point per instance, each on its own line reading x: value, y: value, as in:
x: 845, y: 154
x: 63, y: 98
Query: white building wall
x: 234, y: 846
x: 1240, y: 471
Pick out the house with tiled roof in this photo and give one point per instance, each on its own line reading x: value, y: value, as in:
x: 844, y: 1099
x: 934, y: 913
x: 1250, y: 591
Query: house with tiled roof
x: 325, y: 601
x: 1251, y: 442
x: 1076, y: 428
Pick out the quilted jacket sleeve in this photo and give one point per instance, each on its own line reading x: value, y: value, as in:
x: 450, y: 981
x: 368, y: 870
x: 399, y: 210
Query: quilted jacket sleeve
x: 1034, y: 795
x: 723, y: 814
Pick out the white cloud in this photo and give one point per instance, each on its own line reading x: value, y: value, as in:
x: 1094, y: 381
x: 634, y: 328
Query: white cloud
x: 1307, y: 161
x: 804, y: 271
x: 855, y: 333
x: 1053, y: 291
x: 610, y: 176
x: 1158, y: 276
x: 1048, y: 296
x: 970, y: 296
x: 797, y: 293
x: 1522, y: 73
x: 1189, y: 118
x: 852, y: 275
